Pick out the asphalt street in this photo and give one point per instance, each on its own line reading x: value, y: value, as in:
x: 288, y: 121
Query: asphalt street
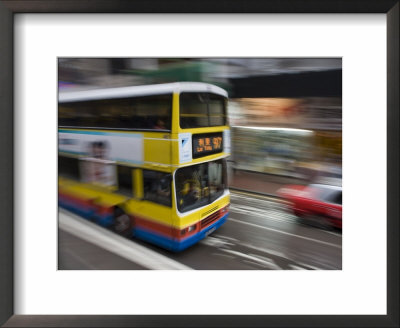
x: 260, y: 234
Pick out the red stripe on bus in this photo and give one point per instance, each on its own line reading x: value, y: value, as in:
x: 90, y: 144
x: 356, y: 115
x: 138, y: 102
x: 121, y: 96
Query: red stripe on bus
x: 78, y: 201
x: 154, y: 226
x: 86, y: 203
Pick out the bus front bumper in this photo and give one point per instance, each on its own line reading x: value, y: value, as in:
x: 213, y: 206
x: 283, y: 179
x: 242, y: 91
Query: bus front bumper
x: 179, y: 245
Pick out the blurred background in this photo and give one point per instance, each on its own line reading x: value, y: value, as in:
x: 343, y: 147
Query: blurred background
x: 285, y: 113
x: 286, y: 128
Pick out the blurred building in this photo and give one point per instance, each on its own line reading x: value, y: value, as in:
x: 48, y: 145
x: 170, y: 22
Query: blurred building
x: 285, y: 113
x: 294, y: 111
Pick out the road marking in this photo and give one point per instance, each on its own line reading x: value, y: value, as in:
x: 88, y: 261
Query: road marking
x: 285, y: 233
x: 312, y: 267
x: 251, y: 257
x: 268, y: 214
x: 337, y: 234
x: 249, y: 195
x: 272, y: 252
x: 295, y: 267
x: 118, y: 245
x: 223, y: 255
x: 271, y: 214
x: 260, y: 249
x: 270, y: 207
x: 215, y: 242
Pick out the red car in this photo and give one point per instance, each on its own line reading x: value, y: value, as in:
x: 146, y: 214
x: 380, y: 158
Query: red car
x: 316, y: 203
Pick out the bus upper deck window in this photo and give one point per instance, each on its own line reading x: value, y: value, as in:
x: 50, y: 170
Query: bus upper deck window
x: 201, y: 110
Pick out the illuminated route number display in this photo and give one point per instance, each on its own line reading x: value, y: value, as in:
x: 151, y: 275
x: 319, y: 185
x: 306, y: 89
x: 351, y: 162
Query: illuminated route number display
x: 207, y: 144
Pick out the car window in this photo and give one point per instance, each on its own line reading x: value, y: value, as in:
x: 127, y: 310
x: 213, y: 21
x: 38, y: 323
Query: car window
x: 337, y: 199
x: 327, y: 194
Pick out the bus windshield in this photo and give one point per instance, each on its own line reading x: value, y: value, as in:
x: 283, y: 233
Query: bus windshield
x: 201, y: 110
x: 199, y: 185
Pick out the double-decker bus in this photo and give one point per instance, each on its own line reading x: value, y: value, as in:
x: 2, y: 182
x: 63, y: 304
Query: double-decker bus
x: 147, y: 161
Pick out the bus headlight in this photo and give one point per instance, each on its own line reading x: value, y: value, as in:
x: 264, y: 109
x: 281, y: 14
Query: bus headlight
x: 225, y: 209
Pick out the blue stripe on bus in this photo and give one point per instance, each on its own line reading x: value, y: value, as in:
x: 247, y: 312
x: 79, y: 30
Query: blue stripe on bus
x: 72, y: 152
x: 152, y: 237
x: 87, y: 213
x: 104, y: 220
x: 101, y: 133
x: 175, y: 245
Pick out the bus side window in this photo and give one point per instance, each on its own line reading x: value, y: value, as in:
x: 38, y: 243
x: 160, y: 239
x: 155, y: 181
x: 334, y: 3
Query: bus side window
x: 125, y: 113
x: 157, y: 187
x: 125, y: 180
x: 68, y: 167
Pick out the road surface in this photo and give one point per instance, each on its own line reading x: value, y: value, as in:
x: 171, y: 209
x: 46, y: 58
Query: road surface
x: 260, y: 234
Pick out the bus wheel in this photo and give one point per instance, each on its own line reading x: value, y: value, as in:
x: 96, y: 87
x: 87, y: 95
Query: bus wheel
x: 122, y: 223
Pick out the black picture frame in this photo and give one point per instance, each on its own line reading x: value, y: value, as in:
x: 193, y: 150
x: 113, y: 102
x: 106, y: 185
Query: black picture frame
x: 10, y: 7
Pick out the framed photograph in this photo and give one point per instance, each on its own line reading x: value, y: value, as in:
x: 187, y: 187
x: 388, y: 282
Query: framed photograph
x: 50, y: 47
x: 226, y: 187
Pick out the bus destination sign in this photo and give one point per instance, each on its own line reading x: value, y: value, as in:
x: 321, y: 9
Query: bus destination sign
x: 207, y: 144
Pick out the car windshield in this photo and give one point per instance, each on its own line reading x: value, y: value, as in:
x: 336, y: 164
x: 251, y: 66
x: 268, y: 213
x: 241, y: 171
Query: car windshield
x: 200, y: 184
